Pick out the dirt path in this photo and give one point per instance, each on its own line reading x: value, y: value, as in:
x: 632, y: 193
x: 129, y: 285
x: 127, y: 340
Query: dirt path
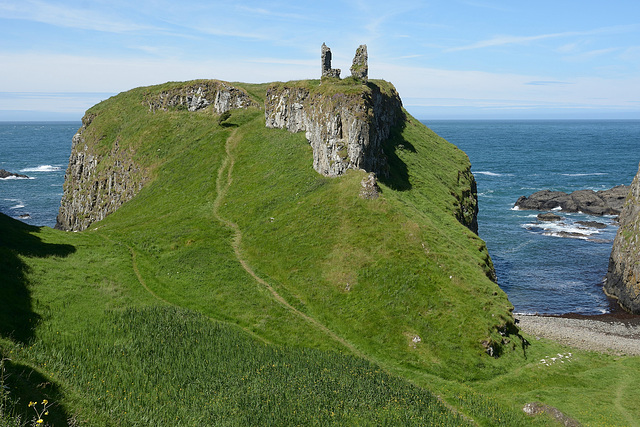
x: 223, y: 183
x: 615, y: 337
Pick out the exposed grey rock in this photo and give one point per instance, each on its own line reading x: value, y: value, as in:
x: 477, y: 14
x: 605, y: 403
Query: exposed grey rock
x: 7, y: 174
x: 199, y: 95
x: 98, y: 184
x: 536, y: 408
x: 605, y: 202
x: 345, y: 131
x: 360, y: 67
x: 623, y: 276
x: 549, y: 216
x: 90, y: 192
x: 370, y: 189
x: 592, y: 224
x: 325, y: 59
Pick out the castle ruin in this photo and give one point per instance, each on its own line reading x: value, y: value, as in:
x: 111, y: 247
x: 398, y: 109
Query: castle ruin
x: 359, y: 69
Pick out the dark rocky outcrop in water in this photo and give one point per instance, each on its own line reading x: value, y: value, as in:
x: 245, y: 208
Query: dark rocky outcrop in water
x: 623, y: 277
x: 605, y: 202
x: 7, y: 174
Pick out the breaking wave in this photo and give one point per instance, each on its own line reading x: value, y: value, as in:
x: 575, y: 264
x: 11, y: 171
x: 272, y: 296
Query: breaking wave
x: 42, y: 168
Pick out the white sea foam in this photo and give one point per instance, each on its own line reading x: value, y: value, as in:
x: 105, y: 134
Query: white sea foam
x: 18, y: 206
x: 488, y: 173
x: 585, y: 174
x: 15, y: 177
x: 42, y: 168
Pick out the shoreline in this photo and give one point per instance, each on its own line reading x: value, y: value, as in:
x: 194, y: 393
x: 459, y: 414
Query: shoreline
x: 615, y: 333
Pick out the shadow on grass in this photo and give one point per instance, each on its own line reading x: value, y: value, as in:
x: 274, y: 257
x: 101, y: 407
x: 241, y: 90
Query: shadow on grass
x: 25, y: 385
x: 398, y: 178
x: 17, y: 318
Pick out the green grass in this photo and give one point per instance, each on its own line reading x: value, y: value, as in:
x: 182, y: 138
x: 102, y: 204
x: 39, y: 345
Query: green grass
x: 152, y: 304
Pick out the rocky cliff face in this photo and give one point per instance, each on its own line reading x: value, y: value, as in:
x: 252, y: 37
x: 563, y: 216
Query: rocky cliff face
x: 345, y: 129
x: 98, y: 184
x: 623, y: 277
x: 95, y: 185
x: 199, y: 95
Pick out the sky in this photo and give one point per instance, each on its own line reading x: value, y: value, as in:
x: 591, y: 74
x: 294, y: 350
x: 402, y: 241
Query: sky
x: 454, y: 59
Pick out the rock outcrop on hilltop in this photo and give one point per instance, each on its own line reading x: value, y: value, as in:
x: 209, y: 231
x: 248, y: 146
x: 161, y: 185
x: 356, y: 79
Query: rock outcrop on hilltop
x: 346, y: 129
x: 199, y: 95
x: 623, y: 277
x: 96, y: 184
x: 604, y: 202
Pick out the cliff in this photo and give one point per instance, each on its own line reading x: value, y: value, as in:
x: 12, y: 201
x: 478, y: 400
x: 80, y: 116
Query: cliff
x: 96, y: 185
x: 623, y: 277
x: 345, y: 125
x: 103, y: 172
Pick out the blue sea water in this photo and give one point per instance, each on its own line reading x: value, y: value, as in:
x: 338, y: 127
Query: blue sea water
x: 41, y: 151
x: 540, y: 272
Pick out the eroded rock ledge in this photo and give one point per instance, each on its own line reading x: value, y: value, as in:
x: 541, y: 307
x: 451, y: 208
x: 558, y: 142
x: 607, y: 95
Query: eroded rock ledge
x: 199, y: 95
x: 623, y: 277
x: 346, y: 125
x: 97, y: 184
x: 605, y: 202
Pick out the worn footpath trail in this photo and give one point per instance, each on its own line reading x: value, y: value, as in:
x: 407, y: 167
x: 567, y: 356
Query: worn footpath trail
x: 224, y: 181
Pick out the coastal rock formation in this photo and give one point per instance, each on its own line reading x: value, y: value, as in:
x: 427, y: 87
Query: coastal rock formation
x: 199, y: 95
x: 6, y: 174
x: 604, y: 202
x: 98, y: 183
x: 623, y: 276
x: 95, y: 185
x: 346, y: 128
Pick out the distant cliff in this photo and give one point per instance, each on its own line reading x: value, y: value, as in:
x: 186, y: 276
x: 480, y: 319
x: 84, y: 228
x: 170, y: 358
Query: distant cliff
x: 102, y: 174
x: 623, y: 277
x: 346, y: 124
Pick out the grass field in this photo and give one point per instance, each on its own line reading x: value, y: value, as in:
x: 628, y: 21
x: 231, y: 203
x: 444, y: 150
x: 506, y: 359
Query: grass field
x: 239, y: 287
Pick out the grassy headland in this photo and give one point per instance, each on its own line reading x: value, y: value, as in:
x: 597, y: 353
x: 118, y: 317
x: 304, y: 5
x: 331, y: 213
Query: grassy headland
x: 240, y: 287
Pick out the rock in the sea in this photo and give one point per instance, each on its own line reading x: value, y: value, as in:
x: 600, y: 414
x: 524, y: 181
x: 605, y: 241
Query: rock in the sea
x: 604, y: 202
x: 623, y: 278
x: 592, y: 224
x: 6, y: 174
x: 549, y: 216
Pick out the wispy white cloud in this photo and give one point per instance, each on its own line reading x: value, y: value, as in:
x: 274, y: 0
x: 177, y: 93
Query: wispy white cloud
x: 588, y: 55
x: 272, y: 14
x: 69, y: 17
x: 546, y: 83
x: 510, y: 39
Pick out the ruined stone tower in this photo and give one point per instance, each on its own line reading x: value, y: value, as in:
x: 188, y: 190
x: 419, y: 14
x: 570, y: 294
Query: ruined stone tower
x: 327, y: 71
x: 360, y: 67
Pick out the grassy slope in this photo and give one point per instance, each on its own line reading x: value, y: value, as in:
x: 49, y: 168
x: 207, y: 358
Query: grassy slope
x: 375, y: 273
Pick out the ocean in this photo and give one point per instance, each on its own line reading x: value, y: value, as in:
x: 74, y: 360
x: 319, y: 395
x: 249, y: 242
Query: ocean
x: 540, y: 271
x: 41, y: 151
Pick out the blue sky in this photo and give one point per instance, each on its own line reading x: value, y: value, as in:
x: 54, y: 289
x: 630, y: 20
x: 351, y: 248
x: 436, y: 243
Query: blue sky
x: 448, y: 59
